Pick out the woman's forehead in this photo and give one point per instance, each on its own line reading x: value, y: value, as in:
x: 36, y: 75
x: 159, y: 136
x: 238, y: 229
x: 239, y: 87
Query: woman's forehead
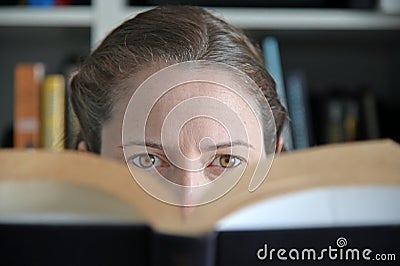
x: 201, y: 89
x: 208, y: 102
x: 238, y: 100
x: 180, y: 81
x: 201, y: 110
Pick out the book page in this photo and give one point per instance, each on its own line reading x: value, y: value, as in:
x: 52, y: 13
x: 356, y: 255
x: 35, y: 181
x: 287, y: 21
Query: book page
x: 320, y: 207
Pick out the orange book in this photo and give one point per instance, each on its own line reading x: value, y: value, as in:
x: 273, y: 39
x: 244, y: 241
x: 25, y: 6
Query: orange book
x: 27, y: 83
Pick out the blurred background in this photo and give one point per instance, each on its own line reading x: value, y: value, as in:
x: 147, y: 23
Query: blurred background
x: 336, y: 63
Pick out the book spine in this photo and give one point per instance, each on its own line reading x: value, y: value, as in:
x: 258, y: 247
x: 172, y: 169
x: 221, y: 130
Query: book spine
x: 53, y: 112
x: 370, y: 115
x: 273, y: 64
x: 334, y: 123
x: 41, y: 3
x: 298, y: 110
x: 343, y: 118
x: 28, y: 78
x: 351, y: 120
x: 174, y: 250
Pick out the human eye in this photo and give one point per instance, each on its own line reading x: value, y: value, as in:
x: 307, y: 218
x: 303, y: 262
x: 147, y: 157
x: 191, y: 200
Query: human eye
x: 226, y: 161
x: 146, y: 161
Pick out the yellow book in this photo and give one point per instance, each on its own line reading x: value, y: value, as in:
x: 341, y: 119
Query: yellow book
x: 53, y: 113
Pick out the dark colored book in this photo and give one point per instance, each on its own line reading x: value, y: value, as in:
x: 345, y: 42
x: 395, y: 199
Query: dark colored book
x: 119, y: 245
x: 334, y: 126
x: 370, y: 115
x: 299, y: 109
x: 344, y: 116
x: 73, y: 208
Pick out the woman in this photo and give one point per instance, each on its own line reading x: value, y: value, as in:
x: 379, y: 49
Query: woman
x: 153, y: 41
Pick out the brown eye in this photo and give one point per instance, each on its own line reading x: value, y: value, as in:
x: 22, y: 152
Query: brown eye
x: 146, y: 160
x: 226, y: 161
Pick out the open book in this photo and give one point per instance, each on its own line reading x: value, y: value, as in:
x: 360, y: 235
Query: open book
x: 353, y: 184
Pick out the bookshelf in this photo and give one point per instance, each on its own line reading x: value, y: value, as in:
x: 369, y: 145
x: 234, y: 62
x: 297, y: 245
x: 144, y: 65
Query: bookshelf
x: 75, y: 16
x: 346, y: 47
x: 103, y: 15
x: 307, y: 19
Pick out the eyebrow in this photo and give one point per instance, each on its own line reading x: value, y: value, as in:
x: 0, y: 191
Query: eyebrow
x: 141, y: 143
x: 218, y: 146
x: 229, y: 144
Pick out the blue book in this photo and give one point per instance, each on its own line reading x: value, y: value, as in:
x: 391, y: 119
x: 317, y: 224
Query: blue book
x: 274, y: 66
x: 298, y: 109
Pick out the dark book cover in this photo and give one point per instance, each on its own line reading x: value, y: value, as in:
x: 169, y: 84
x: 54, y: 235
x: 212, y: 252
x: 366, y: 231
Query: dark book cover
x: 24, y: 244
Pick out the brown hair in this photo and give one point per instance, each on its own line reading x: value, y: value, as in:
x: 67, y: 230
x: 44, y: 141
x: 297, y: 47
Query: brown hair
x: 164, y: 34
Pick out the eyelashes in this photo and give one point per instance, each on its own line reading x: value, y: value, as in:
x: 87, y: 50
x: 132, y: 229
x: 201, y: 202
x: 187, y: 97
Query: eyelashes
x: 226, y: 161
x: 146, y: 161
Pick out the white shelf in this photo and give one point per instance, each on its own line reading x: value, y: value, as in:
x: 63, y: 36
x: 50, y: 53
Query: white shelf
x: 287, y: 18
x: 47, y: 17
x: 248, y: 18
x: 268, y: 18
x: 104, y: 15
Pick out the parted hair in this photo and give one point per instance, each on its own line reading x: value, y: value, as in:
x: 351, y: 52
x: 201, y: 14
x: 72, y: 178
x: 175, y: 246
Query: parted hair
x: 170, y: 34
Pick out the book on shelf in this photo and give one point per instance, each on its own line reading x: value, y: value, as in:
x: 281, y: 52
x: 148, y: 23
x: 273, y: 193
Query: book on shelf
x: 79, y: 208
x: 272, y: 56
x: 28, y: 79
x: 370, y: 114
x: 43, y: 114
x: 44, y: 3
x: 347, y: 116
x: 334, y: 131
x: 299, y: 109
x: 53, y: 113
